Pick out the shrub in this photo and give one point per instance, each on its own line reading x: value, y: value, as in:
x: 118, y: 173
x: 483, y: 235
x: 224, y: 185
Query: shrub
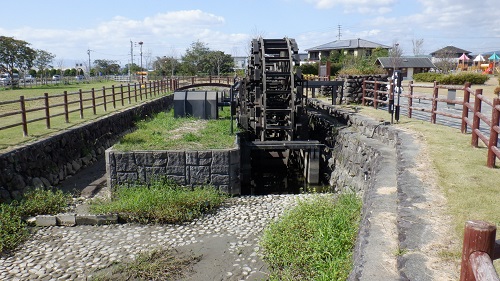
x: 12, y: 229
x: 452, y: 79
x: 427, y: 77
x: 315, y: 240
x: 497, y: 91
x: 462, y: 78
x: 161, y: 202
x: 43, y: 202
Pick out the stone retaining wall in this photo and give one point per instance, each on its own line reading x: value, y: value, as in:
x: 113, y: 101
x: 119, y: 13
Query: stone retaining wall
x: 350, y: 156
x: 353, y: 87
x: 49, y: 161
x: 220, y: 168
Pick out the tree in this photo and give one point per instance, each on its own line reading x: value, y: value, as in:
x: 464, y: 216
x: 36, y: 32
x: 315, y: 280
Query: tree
x: 42, y: 61
x: 15, y: 54
x: 445, y: 60
x: 219, y: 62
x: 195, y: 58
x: 106, y: 67
x: 165, y: 65
x: 395, y: 54
x: 417, y: 46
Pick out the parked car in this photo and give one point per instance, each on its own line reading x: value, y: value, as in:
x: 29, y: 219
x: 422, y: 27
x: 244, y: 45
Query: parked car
x: 28, y: 79
x: 5, y: 79
x: 56, y: 77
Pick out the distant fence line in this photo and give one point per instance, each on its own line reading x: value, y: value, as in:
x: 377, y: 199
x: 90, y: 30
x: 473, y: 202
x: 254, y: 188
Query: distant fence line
x: 48, y: 107
x: 376, y: 93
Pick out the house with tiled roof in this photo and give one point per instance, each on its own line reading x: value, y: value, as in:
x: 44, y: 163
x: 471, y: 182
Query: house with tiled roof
x: 357, y: 47
x: 408, y: 65
x: 449, y: 51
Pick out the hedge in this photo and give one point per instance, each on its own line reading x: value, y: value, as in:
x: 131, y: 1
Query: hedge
x: 452, y: 79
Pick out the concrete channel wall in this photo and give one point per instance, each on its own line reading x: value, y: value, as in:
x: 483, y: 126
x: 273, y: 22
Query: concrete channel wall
x: 51, y: 160
x: 220, y: 168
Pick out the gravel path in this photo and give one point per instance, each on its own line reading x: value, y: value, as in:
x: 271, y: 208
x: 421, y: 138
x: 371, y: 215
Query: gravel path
x: 74, y: 253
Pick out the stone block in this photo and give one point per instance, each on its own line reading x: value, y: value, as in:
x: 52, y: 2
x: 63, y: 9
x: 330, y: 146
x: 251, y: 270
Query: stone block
x: 45, y: 220
x: 220, y: 157
x: 152, y: 173
x: 219, y: 180
x: 144, y: 158
x: 175, y: 170
x: 199, y: 175
x: 126, y: 177
x: 178, y: 179
x: 176, y: 158
x: 160, y: 158
x: 219, y: 169
x: 125, y: 162
x: 204, y: 158
x: 192, y: 158
x: 96, y: 219
x: 66, y: 219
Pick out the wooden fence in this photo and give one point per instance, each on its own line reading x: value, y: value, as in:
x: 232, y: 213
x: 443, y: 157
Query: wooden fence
x: 48, y: 107
x: 372, y: 93
x: 478, y: 252
x: 177, y: 82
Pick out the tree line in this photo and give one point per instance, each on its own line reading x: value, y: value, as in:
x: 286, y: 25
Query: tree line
x: 17, y: 56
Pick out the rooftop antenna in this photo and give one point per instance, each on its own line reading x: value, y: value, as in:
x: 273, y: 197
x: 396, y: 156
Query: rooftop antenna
x: 340, y: 34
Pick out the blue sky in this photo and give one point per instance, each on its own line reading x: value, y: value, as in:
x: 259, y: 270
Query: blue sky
x: 167, y: 28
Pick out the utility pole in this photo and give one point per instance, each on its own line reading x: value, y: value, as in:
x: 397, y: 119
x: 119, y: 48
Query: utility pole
x: 131, y: 61
x: 90, y: 66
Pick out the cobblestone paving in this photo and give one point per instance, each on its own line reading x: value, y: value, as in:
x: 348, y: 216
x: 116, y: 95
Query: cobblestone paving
x: 74, y: 253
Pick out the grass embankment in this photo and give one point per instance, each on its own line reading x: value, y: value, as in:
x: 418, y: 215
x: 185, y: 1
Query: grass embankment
x: 14, y: 136
x: 471, y: 188
x: 315, y: 240
x: 163, y: 131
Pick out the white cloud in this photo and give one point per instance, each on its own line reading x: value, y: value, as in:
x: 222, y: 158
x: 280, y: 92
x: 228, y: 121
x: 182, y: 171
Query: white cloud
x: 350, y: 6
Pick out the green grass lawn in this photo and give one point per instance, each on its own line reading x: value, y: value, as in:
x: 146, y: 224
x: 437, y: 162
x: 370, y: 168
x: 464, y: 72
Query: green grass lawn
x: 14, y: 136
x: 164, y: 132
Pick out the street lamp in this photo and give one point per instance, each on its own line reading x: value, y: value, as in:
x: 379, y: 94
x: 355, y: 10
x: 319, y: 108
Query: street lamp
x: 142, y: 76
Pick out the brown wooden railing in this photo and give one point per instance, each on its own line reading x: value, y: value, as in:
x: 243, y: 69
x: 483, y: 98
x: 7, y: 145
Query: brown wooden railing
x: 372, y: 93
x: 48, y: 107
x: 478, y: 252
x: 181, y: 81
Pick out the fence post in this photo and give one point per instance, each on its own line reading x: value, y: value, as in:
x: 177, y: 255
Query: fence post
x: 80, y: 96
x: 113, y: 95
x: 150, y: 89
x: 465, y: 108
x: 479, y: 236
x: 435, y: 96
x: 66, y: 111
x: 23, y: 116
x: 476, y: 119
x: 135, y: 92
x: 47, y: 110
x: 495, y: 117
x: 364, y: 93
x: 375, y: 95
x: 93, y: 101
x: 410, y: 99
x: 104, y: 98
x: 121, y: 95
x: 128, y: 93
x: 140, y: 91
